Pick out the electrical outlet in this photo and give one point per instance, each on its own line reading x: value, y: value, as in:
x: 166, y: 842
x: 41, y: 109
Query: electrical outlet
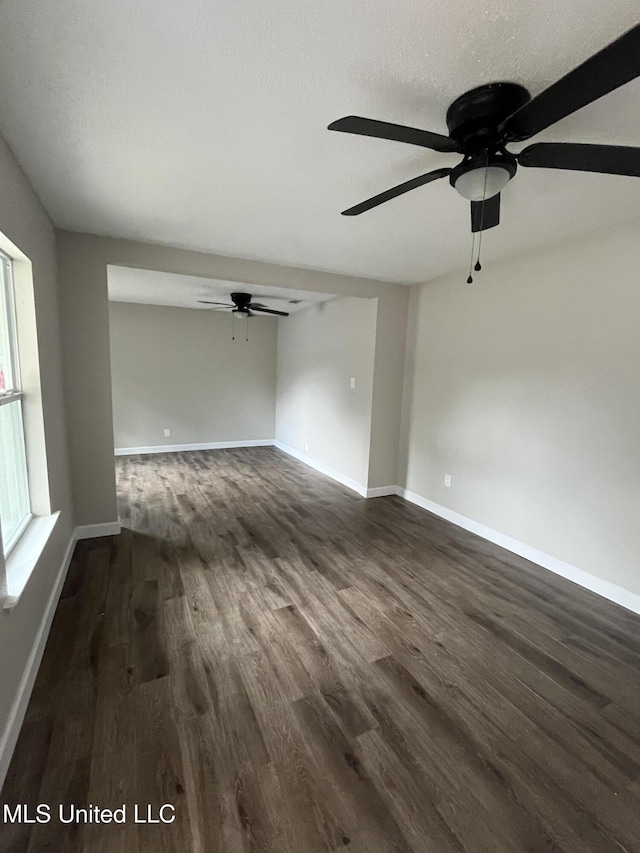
x: 306, y: 445
x: 353, y: 381
x: 447, y: 480
x: 167, y: 433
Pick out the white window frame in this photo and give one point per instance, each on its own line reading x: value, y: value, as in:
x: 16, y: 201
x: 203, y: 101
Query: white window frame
x: 14, y: 394
x: 19, y: 566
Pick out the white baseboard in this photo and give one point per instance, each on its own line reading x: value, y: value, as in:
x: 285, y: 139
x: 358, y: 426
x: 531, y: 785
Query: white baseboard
x: 323, y: 469
x: 381, y: 491
x: 612, y: 592
x: 9, y: 736
x: 205, y: 445
x: 91, y: 531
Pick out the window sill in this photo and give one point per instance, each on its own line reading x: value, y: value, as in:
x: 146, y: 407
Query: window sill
x: 25, y: 555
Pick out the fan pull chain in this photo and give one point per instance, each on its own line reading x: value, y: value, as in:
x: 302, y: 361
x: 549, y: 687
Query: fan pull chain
x: 233, y: 327
x: 247, y: 322
x: 473, y: 243
x: 478, y: 266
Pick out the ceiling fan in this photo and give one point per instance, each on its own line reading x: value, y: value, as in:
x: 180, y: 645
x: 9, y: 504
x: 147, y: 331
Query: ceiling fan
x: 482, y: 121
x: 241, y: 306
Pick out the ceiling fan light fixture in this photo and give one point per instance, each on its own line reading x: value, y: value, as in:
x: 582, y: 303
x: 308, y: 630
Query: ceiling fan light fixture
x: 482, y: 182
x: 240, y: 313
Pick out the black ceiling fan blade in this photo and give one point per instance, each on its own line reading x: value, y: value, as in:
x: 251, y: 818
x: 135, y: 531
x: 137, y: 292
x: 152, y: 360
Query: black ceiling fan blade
x: 580, y: 157
x: 224, y: 304
x: 611, y: 67
x: 481, y: 219
x: 387, y: 195
x: 395, y: 132
x: 269, y: 311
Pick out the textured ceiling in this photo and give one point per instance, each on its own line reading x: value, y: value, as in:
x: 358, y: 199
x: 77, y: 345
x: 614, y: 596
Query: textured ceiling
x: 202, y: 123
x: 184, y: 291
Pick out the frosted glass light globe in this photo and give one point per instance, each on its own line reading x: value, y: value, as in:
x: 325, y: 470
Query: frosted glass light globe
x: 471, y: 184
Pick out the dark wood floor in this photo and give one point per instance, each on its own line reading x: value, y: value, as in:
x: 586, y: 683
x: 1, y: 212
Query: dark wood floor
x: 297, y: 669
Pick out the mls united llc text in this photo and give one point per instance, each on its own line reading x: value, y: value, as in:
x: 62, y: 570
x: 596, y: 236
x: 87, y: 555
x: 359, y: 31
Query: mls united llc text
x: 44, y: 813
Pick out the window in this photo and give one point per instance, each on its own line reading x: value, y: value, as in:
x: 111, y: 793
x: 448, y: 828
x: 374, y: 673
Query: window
x: 15, y: 508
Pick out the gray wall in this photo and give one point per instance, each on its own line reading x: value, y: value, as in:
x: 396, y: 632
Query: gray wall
x: 83, y: 261
x: 178, y: 368
x: 25, y: 223
x: 526, y: 389
x: 319, y: 350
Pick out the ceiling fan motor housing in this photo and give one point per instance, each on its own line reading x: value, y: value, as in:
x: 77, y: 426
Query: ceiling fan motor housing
x: 241, y: 300
x: 474, y: 119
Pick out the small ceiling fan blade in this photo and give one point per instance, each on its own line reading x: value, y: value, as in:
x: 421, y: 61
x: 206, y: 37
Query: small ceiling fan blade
x: 394, y: 132
x: 256, y: 305
x: 579, y: 157
x: 224, y: 304
x: 270, y: 311
x: 387, y: 195
x: 611, y: 67
x: 489, y: 218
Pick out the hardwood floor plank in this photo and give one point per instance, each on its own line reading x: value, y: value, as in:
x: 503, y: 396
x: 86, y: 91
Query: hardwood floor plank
x: 211, y: 819
x: 344, y: 783
x: 403, y: 789
x: 317, y: 828
x: 23, y: 782
x: 190, y: 692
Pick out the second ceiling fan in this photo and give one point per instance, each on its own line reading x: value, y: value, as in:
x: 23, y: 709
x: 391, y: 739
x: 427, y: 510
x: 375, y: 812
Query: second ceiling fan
x: 242, y: 306
x: 484, y: 120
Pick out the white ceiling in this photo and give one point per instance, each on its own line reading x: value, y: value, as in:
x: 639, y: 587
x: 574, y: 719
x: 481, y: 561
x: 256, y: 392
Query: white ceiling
x: 184, y: 291
x: 202, y: 123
